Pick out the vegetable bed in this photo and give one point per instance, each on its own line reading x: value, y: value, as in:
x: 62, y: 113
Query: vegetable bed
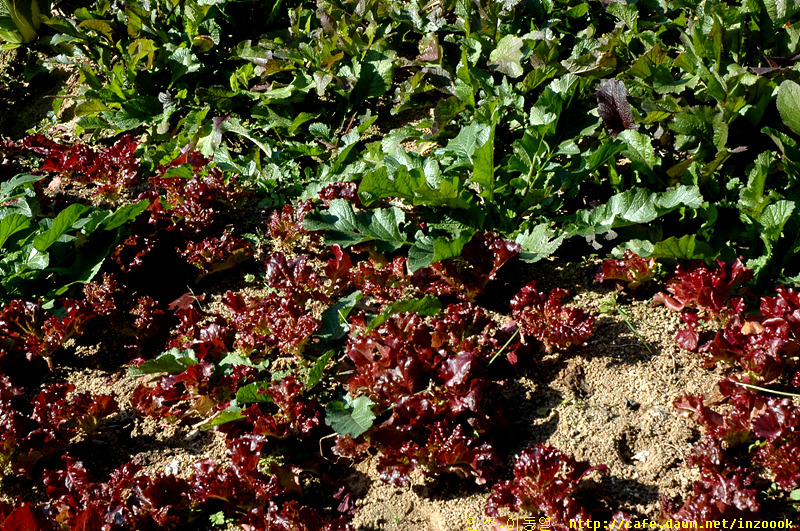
x: 384, y: 265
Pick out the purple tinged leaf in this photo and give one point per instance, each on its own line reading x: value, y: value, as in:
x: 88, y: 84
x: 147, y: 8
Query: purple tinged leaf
x: 687, y: 339
x: 457, y: 370
x: 429, y: 49
x: 613, y: 107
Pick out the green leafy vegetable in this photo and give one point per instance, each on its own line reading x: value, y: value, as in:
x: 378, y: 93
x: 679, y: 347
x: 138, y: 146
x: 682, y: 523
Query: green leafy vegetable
x: 171, y: 362
x: 352, y: 417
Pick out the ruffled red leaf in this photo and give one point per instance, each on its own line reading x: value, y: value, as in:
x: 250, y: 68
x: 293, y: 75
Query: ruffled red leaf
x: 545, y: 484
x: 697, y: 287
x: 547, y: 320
x: 286, y: 225
x: 294, y: 278
x: 467, y: 276
x: 631, y: 272
x: 215, y: 254
x: 271, y: 322
x: 111, y: 169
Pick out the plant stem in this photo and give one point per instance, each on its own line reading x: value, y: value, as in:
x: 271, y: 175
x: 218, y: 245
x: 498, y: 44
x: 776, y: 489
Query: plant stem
x: 632, y: 328
x: 751, y: 386
x: 504, y: 346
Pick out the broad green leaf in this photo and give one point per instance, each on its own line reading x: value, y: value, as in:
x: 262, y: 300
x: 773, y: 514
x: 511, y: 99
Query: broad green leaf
x: 598, y: 157
x: 428, y: 250
x: 428, y: 306
x: 752, y: 196
x: 565, y: 85
x: 786, y: 144
x: 636, y: 205
x: 91, y: 107
x: 684, y: 248
x: 216, y: 97
x: 233, y: 359
x: 772, y: 221
x: 234, y: 125
x: 598, y: 62
x: 463, y: 9
x: 647, y: 63
x: 392, y: 140
x: 344, y: 227
x: 61, y: 224
x: 464, y: 145
x: 375, y: 76
x: 321, y: 81
x: 640, y: 151
x: 334, y: 319
x: 11, y: 224
x: 384, y: 227
x: 9, y: 32
x: 172, y: 361
x: 229, y: 414
x: 88, y: 223
x: 125, y: 214
x: 776, y: 215
x: 789, y: 104
x: 339, y: 221
x: 257, y: 54
x: 779, y: 12
x: 252, y: 393
x: 688, y: 196
x: 483, y: 161
x: 411, y: 185
x: 715, y: 85
x: 20, y: 20
x: 320, y: 130
x: 507, y: 55
x: 541, y: 117
x: 378, y: 184
x: 539, y: 242
x: 579, y: 11
x: 447, y: 110
x: 35, y: 259
x: 627, y: 13
x: 135, y: 112
x: 351, y: 417
x: 700, y: 124
x: 11, y: 188
x: 316, y: 372
x: 141, y: 48
x: 447, y: 192
x: 527, y: 152
x: 84, y: 269
x: 63, y: 26
x: 100, y: 26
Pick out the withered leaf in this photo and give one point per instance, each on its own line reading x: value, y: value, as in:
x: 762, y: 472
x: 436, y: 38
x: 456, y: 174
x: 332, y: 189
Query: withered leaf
x: 429, y: 50
x: 750, y: 328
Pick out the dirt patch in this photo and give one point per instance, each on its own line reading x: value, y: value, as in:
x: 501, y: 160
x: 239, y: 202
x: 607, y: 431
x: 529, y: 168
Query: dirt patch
x: 27, y: 94
x: 440, y: 504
